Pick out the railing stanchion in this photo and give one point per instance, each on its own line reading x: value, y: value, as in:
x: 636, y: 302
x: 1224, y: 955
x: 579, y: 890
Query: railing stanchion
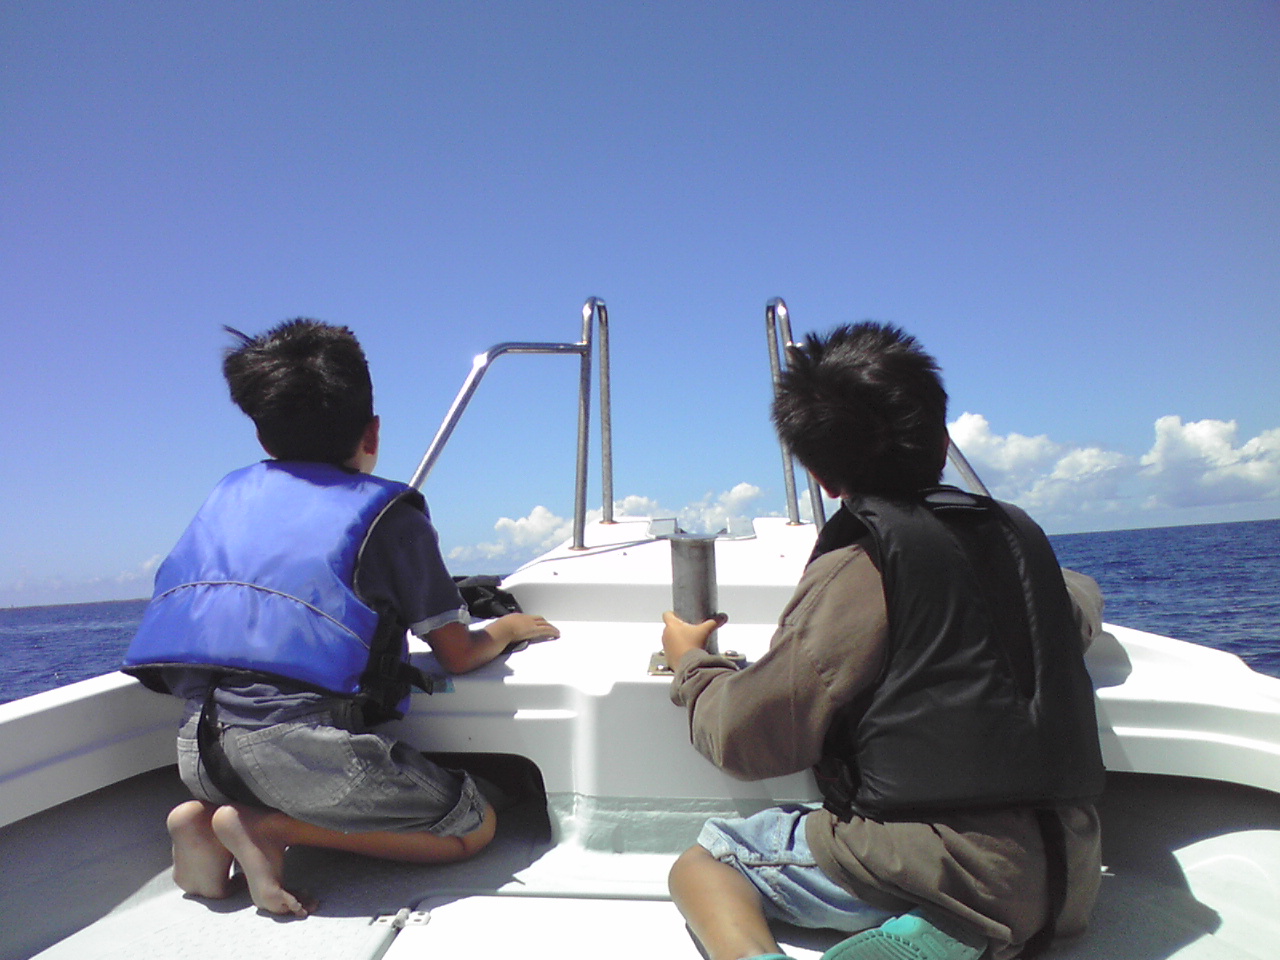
x: 594, y: 316
x: 606, y: 409
x: 778, y: 323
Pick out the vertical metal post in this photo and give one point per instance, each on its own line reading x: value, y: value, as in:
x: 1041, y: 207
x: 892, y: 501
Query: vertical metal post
x: 594, y: 314
x: 601, y: 313
x: 778, y: 322
x: 584, y: 417
x: 773, y: 309
x: 693, y: 579
x: 595, y: 318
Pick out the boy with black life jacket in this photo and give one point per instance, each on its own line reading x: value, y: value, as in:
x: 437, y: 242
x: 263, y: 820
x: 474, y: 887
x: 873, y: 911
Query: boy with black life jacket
x: 281, y: 618
x: 929, y: 668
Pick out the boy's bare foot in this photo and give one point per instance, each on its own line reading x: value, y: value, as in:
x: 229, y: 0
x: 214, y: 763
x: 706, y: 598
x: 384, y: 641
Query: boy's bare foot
x: 201, y: 864
x: 257, y: 840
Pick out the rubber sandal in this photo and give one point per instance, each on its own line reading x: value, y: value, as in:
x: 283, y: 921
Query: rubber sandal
x: 911, y: 936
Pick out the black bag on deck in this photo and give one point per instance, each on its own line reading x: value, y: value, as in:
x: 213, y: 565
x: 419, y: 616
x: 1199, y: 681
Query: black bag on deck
x: 484, y: 599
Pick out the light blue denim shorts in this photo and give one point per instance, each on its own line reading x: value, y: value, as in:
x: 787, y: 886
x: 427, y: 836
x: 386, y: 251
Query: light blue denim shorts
x: 325, y: 770
x: 770, y: 850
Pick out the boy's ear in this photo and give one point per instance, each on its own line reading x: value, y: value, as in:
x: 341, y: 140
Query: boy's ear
x: 370, y: 439
x: 829, y: 489
x: 262, y: 443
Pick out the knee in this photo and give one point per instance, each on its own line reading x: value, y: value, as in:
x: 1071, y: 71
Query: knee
x: 481, y: 836
x: 188, y: 816
x: 691, y: 862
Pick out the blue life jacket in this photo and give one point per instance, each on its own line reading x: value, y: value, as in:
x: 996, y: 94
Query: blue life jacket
x: 984, y: 700
x: 263, y: 582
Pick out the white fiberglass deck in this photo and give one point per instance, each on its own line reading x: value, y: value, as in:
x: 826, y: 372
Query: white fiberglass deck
x: 1193, y: 866
x: 1193, y: 872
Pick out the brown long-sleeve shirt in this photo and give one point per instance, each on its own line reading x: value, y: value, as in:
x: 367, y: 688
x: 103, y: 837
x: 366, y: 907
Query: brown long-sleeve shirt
x: 770, y: 719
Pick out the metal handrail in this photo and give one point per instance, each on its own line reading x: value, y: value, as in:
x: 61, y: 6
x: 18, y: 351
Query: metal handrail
x: 777, y: 319
x: 593, y: 310
x: 965, y: 470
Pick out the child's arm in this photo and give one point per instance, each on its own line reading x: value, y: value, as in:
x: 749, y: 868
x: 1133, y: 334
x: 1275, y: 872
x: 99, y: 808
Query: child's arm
x: 460, y: 648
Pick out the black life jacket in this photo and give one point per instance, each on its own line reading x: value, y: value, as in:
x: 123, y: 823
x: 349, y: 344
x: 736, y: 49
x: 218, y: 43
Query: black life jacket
x: 984, y: 700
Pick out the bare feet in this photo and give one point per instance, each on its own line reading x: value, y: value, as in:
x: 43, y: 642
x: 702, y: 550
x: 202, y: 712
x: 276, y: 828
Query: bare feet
x: 257, y: 840
x: 201, y: 864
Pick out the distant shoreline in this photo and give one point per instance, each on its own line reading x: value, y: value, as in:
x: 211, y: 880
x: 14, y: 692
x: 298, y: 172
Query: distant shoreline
x: 73, y: 603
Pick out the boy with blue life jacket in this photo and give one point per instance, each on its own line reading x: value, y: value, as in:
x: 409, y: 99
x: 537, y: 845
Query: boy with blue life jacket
x: 280, y: 618
x: 929, y: 669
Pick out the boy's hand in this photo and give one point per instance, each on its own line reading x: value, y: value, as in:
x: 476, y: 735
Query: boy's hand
x: 461, y: 649
x: 678, y: 637
x: 521, y: 627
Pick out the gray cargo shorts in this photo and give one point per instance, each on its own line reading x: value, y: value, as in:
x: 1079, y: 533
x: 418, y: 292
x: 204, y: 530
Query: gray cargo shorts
x: 323, y: 769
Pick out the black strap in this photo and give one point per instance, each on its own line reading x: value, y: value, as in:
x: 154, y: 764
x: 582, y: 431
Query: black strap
x: 1055, y: 859
x: 485, y: 598
x: 214, y: 758
x: 387, y: 681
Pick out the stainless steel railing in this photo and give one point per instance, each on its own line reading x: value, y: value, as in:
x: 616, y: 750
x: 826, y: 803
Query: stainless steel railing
x: 778, y: 324
x: 967, y: 472
x: 595, y: 317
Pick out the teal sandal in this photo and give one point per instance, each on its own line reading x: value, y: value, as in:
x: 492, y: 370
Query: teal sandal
x: 912, y: 936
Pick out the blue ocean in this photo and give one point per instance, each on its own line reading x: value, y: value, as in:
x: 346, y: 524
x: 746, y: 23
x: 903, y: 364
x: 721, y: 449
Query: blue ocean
x: 1215, y: 584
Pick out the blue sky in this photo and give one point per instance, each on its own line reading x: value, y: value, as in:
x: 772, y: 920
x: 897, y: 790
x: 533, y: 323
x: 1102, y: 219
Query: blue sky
x: 1075, y: 206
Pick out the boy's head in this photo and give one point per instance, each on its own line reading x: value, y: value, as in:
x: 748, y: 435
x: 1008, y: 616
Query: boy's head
x: 864, y: 410
x: 306, y: 386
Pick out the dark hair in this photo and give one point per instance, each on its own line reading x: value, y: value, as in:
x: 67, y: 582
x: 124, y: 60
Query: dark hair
x: 864, y: 409
x: 305, y: 384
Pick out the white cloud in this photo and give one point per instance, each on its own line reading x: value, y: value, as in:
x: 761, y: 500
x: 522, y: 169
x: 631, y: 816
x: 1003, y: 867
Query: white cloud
x: 1082, y: 487
x: 725, y: 511
x: 1198, y: 464
x: 540, y: 527
x: 636, y: 506
x: 1039, y: 474
x: 522, y: 539
x: 1189, y: 465
x: 1012, y: 455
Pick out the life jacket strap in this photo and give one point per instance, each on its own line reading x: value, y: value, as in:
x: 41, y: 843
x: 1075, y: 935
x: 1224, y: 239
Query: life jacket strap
x: 1055, y: 859
x: 214, y: 758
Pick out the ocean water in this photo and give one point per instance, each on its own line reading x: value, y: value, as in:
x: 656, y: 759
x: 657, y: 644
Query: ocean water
x: 46, y: 647
x: 1216, y: 584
